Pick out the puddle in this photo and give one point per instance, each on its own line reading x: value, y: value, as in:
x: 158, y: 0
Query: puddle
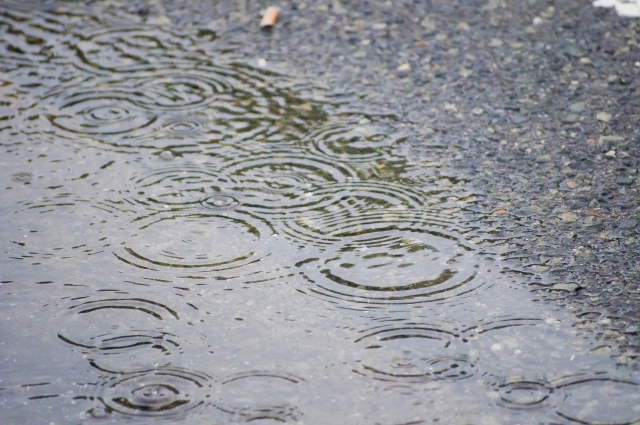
x: 190, y: 237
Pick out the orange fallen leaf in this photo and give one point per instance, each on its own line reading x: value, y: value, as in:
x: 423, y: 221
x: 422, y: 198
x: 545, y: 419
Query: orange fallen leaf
x: 270, y: 17
x: 500, y: 211
x: 421, y: 44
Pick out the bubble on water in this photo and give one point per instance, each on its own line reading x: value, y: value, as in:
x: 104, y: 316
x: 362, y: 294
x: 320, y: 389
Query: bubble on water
x: 523, y: 393
x: 222, y: 201
x: 262, y: 397
x: 159, y: 392
x: 166, y: 155
x: 592, y: 398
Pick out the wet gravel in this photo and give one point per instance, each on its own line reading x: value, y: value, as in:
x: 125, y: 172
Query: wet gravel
x: 535, y: 102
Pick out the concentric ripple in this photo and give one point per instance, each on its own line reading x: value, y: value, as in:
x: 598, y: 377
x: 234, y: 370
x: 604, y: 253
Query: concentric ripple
x: 138, y: 47
x: 351, y: 141
x: 280, y: 181
x: 357, y: 208
x: 198, y: 242
x: 183, y: 186
x: 185, y: 126
x: 111, y: 114
x: 158, y: 392
x: 64, y: 227
x: 411, y: 367
x: 598, y: 399
x: 181, y: 90
x: 115, y: 331
x: 523, y: 393
x: 392, y: 267
x: 258, y: 396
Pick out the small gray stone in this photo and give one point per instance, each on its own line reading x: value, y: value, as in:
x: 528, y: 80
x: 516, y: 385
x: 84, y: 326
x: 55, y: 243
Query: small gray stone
x: 571, y: 118
x: 628, y: 224
x: 609, y: 141
x: 565, y: 287
x: 573, y: 51
x: 624, y: 180
x: 518, y: 119
x: 542, y: 159
x: 569, y: 217
x: 577, y: 107
x: 338, y: 8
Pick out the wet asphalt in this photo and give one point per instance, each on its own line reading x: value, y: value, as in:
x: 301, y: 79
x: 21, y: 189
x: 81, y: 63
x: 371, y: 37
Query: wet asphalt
x: 535, y: 104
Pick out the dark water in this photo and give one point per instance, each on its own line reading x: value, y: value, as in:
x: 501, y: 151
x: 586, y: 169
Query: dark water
x: 192, y: 237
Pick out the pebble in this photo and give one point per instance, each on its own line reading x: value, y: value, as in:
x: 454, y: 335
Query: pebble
x: 608, y: 141
x: 517, y: 118
x: 159, y: 20
x: 338, y: 8
x: 603, y: 116
x: 495, y: 42
x: 628, y: 224
x: 405, y: 68
x: 577, y: 107
x: 477, y: 111
x: 569, y: 217
x: 428, y: 24
x: 565, y: 287
x: 624, y: 180
x: 571, y: 118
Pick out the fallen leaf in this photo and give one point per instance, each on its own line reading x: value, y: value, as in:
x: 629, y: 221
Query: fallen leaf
x: 500, y: 211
